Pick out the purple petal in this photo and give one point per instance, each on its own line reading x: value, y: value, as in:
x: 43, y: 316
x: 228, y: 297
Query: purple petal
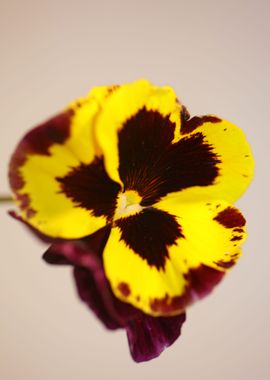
x: 93, y: 295
x: 149, y: 336
x: 92, y: 284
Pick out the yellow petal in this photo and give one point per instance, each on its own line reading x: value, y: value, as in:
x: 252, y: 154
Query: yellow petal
x: 166, y: 268
x: 125, y: 103
x: 45, y: 161
x: 235, y: 168
x: 213, y: 230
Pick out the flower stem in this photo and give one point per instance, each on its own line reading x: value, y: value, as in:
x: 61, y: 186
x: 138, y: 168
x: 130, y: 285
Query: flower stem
x: 5, y: 198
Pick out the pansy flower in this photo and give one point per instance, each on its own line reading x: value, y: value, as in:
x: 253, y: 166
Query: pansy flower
x: 137, y: 197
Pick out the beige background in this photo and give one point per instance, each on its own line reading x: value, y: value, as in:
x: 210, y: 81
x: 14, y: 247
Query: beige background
x: 216, y: 55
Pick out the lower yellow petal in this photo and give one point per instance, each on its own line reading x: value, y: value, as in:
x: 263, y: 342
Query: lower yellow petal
x: 213, y: 231
x: 142, y: 283
x: 161, y: 270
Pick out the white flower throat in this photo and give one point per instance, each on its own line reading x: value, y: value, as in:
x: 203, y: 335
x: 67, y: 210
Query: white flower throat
x: 128, y: 203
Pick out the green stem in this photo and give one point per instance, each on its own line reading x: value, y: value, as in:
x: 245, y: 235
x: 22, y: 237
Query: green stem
x: 6, y: 198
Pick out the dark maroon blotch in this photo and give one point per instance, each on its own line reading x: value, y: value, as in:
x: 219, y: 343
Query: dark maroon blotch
x: 239, y: 230
x: 153, y: 166
x: 54, y: 131
x: 149, y: 234
x: 230, y: 218
x: 24, y: 204
x: 225, y: 264
x: 89, y: 186
x: 200, y: 282
x: 235, y: 238
x: 189, y: 125
x: 124, y: 288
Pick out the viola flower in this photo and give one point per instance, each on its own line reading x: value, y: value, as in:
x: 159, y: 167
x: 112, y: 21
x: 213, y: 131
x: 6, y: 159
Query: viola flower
x: 137, y: 196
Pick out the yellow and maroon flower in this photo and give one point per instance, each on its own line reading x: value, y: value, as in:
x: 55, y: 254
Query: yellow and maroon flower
x: 137, y: 196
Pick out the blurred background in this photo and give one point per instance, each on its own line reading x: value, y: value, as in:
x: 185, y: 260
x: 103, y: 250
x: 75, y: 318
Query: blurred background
x: 216, y: 56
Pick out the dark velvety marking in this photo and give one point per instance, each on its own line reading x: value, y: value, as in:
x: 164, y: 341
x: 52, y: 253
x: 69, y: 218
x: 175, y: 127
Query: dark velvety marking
x: 38, y: 141
x: 17, y: 160
x: 149, y: 234
x: 239, y: 230
x: 189, y: 125
x: 124, y: 288
x: 200, y: 282
x: 90, y: 187
x: 54, y: 131
x: 203, y: 279
x: 170, y: 305
x: 235, y: 238
x: 24, y: 204
x: 230, y: 218
x: 225, y: 264
x: 153, y: 166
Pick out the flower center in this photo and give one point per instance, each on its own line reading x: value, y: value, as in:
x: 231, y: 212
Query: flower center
x: 128, y: 203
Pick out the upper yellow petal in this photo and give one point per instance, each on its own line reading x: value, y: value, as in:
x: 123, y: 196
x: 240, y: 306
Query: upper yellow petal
x: 235, y: 167
x: 125, y: 103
